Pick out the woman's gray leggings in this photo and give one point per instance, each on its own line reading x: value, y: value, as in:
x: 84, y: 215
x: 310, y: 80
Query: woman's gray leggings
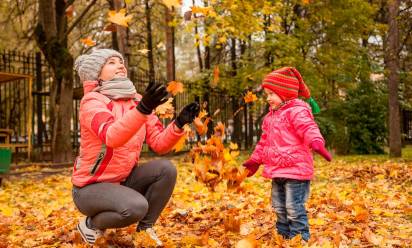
x: 141, y: 198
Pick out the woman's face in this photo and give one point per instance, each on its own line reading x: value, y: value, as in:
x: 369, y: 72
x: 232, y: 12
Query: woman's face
x: 272, y: 98
x: 114, y: 68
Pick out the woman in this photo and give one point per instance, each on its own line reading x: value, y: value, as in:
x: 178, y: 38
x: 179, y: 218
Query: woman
x: 110, y: 186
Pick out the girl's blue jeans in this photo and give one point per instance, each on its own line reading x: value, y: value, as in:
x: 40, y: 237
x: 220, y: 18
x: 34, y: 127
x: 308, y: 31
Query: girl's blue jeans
x: 288, y: 200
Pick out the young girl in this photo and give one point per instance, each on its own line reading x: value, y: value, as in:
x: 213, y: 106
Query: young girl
x: 289, y: 134
x: 110, y: 186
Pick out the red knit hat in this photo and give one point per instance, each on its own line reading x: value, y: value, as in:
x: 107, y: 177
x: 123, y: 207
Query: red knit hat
x: 287, y: 83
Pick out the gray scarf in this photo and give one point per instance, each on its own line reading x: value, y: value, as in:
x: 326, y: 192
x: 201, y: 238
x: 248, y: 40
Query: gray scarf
x: 117, y: 88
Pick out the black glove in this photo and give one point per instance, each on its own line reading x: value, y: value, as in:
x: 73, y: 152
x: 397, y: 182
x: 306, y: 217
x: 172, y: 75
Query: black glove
x: 187, y: 115
x: 154, y: 95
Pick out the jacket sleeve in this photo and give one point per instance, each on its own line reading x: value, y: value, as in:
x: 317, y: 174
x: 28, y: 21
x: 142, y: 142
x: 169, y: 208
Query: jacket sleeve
x: 305, y: 126
x: 96, y: 116
x: 257, y: 154
x: 160, y: 139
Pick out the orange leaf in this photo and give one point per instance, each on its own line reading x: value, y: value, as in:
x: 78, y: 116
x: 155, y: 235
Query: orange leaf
x: 201, y: 127
x: 202, y: 114
x: 180, y: 144
x: 175, y: 87
x: 215, y: 76
x: 166, y: 110
x: 69, y: 11
x: 219, y: 129
x: 248, y: 242
x: 88, y: 42
x: 231, y: 223
x: 119, y: 18
x: 250, y: 97
x: 110, y: 28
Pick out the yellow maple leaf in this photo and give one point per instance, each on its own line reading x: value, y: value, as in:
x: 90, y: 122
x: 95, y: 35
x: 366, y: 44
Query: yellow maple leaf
x: 202, y: 114
x: 172, y: 3
x: 143, y: 51
x: 175, y: 87
x: 166, y: 110
x: 88, y: 42
x: 250, y: 97
x: 119, y: 18
x: 233, y: 146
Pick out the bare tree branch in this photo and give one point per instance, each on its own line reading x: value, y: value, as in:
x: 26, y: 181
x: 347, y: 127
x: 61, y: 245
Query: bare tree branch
x: 75, y: 22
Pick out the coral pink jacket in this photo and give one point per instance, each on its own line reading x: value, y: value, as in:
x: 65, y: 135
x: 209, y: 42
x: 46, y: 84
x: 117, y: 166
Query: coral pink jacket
x: 284, y: 147
x: 112, y: 134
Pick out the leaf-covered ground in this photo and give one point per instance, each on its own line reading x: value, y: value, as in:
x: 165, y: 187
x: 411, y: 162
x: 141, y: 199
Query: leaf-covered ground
x: 360, y: 201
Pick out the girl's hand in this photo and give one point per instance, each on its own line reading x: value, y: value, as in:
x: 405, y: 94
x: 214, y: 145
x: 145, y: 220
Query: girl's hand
x: 319, y: 148
x: 252, y: 166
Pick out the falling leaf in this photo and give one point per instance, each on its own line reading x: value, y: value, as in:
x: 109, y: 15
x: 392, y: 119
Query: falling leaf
x: 119, y: 18
x: 69, y: 11
x: 143, y: 51
x: 233, y: 146
x: 166, y: 110
x: 219, y: 129
x: 237, y: 111
x: 88, y: 42
x: 250, y: 97
x: 172, y: 3
x: 110, y: 28
x: 202, y: 114
x: 188, y: 15
x: 175, y: 87
x: 215, y: 76
x: 201, y: 127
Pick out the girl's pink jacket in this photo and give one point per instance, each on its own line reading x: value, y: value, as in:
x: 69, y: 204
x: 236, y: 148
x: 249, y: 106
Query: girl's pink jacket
x: 112, y: 135
x: 284, y: 147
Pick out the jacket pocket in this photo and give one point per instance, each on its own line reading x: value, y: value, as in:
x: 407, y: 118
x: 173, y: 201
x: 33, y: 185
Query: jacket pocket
x: 279, y: 158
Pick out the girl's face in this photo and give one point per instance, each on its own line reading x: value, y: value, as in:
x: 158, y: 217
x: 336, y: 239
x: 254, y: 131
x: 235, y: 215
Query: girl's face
x: 272, y: 98
x: 114, y: 68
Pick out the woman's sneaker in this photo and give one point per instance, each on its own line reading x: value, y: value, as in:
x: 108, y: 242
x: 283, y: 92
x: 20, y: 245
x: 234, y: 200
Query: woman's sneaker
x: 152, y: 234
x: 89, y: 235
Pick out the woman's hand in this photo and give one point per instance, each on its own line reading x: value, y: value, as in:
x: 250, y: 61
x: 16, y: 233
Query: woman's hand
x: 154, y: 95
x: 187, y: 115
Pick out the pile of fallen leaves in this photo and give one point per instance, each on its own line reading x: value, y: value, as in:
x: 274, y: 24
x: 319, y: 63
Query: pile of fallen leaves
x: 359, y: 202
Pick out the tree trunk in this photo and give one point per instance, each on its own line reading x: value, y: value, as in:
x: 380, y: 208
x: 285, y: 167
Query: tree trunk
x: 149, y: 42
x: 122, y: 35
x: 392, y: 68
x: 51, y: 37
x: 115, y: 45
x: 170, y: 46
x: 199, y: 54
x: 237, y: 120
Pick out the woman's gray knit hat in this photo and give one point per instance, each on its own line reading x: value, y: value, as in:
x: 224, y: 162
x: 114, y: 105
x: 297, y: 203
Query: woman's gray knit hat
x: 89, y: 66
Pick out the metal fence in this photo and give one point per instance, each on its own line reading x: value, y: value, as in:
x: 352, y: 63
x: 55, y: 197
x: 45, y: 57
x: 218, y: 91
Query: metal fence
x: 407, y: 126
x: 242, y: 128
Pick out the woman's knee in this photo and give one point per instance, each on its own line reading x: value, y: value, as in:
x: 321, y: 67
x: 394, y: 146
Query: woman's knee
x: 168, y: 169
x: 134, y: 210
